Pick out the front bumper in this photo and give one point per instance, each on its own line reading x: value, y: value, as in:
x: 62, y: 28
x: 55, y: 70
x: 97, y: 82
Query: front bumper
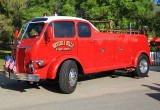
x: 22, y: 76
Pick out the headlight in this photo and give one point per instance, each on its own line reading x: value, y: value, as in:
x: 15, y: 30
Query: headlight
x: 31, y: 66
x: 31, y: 61
x: 32, y: 69
x: 40, y: 62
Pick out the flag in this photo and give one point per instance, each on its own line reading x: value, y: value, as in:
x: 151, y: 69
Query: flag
x: 14, y: 68
x: 7, y: 62
x: 11, y: 65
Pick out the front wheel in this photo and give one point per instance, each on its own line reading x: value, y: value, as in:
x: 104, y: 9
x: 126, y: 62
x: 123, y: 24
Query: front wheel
x: 68, y: 76
x: 142, y: 66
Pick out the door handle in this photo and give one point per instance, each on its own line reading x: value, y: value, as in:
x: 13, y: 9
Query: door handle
x: 91, y: 41
x: 120, y: 48
x: 102, y: 50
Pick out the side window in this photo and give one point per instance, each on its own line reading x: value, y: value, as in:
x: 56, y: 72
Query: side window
x: 64, y: 29
x: 45, y: 33
x: 84, y: 30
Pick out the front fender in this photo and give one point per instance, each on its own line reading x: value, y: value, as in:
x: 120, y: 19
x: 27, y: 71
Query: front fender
x: 53, y: 68
x: 136, y: 56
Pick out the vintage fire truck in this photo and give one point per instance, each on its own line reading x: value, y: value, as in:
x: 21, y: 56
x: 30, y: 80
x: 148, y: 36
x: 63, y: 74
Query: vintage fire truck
x: 62, y: 47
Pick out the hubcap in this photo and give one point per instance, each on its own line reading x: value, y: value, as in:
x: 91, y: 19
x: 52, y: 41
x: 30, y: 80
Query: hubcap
x: 143, y: 66
x: 72, y: 77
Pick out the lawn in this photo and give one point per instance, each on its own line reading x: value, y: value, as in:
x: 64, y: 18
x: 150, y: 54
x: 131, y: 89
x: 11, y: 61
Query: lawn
x: 3, y: 54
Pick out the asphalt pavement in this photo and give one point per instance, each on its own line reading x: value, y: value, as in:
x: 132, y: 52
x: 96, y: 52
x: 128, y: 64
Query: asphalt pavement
x: 99, y: 91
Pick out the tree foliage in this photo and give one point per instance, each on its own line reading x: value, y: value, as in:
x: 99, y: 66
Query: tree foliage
x: 10, y: 17
x: 14, y: 13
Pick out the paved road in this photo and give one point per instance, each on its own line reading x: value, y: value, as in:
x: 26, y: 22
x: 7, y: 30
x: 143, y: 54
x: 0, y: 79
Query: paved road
x: 101, y: 92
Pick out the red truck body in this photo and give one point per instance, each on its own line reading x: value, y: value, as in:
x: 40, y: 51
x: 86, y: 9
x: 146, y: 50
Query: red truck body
x: 91, y: 50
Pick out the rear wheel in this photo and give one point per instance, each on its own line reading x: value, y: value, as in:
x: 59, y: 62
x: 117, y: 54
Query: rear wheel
x: 142, y: 66
x: 68, y: 76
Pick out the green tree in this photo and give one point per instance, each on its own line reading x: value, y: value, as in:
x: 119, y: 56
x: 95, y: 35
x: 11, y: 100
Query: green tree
x: 10, y: 18
x: 68, y: 8
x: 122, y: 12
x: 33, y: 9
x: 14, y: 13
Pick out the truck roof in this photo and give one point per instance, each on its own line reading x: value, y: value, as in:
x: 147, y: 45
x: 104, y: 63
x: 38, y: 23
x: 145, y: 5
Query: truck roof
x: 48, y: 19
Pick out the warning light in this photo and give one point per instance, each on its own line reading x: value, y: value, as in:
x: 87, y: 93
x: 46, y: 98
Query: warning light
x: 44, y: 14
x: 55, y: 13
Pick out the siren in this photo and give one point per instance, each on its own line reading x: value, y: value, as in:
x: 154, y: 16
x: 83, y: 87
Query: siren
x: 45, y: 14
x: 55, y: 13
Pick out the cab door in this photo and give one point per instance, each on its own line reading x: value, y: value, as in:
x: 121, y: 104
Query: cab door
x: 85, y: 46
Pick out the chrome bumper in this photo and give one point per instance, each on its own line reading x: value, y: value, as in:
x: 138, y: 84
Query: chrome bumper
x: 22, y: 76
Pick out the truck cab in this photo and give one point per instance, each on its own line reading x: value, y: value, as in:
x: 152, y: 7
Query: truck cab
x: 62, y: 47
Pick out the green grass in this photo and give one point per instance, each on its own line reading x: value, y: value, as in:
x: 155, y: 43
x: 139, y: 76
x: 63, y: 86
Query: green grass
x: 3, y: 54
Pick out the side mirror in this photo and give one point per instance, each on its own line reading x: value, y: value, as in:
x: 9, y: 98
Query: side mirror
x: 49, y: 33
x: 16, y: 34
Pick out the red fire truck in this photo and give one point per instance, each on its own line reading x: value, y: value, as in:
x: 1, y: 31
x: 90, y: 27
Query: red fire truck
x: 62, y: 47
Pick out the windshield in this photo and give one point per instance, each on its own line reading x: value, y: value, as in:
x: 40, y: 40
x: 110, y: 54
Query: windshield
x: 33, y: 30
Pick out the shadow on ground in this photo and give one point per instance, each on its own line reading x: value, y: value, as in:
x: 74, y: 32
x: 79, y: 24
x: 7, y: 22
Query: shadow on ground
x: 154, y: 95
x: 52, y: 85
x: 13, y: 84
x: 21, y: 86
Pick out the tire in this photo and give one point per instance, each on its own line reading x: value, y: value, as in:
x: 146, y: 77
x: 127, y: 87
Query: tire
x: 142, y: 66
x: 68, y: 76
